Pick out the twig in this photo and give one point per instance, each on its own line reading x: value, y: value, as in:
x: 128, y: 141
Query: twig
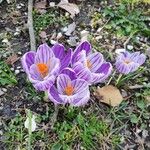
x: 128, y: 40
x: 139, y: 86
x: 30, y: 26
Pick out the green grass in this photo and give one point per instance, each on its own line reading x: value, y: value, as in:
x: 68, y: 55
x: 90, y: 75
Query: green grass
x: 6, y: 75
x: 72, y: 129
x: 49, y: 19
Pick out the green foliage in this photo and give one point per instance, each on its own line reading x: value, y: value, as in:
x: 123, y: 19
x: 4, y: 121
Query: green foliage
x: 135, y: 1
x: 6, y: 76
x: 125, y: 22
x: 90, y: 132
x: 49, y: 19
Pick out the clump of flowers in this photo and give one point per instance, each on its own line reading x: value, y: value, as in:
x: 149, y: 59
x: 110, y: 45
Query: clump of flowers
x: 66, y: 75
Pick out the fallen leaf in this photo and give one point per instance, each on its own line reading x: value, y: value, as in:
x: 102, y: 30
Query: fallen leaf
x: 109, y: 95
x: 70, y: 29
x: 71, y: 8
x: 41, y: 7
x: 12, y: 59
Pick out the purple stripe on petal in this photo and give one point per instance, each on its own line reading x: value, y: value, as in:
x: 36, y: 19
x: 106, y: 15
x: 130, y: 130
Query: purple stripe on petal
x: 102, y: 73
x: 82, y: 72
x: 59, y: 51
x: 62, y: 82
x: 81, y: 98
x: 79, y: 85
x: 54, y: 96
x: 70, y: 72
x: 34, y: 73
x: 82, y: 46
x: 95, y: 59
x: 45, y: 84
x: 43, y: 55
x: 141, y: 59
x: 27, y: 60
x: 66, y: 59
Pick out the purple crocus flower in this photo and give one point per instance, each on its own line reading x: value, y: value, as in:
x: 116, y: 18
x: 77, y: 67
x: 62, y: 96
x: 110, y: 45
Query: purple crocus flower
x: 42, y: 67
x: 129, y: 62
x: 90, y: 66
x: 69, y: 89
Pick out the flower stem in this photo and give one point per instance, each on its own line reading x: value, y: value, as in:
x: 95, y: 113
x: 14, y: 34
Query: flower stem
x: 118, y: 80
x: 111, y: 77
x: 29, y: 130
x: 54, y: 117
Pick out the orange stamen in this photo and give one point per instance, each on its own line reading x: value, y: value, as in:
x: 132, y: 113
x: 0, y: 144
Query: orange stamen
x: 69, y: 90
x: 88, y: 63
x: 127, y: 61
x: 43, y: 69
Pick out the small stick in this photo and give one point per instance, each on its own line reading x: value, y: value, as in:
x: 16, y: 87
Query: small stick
x: 30, y: 26
x: 128, y: 40
x: 54, y: 117
x: 139, y: 86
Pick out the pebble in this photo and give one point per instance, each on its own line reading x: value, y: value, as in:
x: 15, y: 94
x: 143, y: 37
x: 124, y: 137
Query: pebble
x: 4, y: 89
x: 99, y: 30
x: 53, y: 42
x: 59, y: 35
x: 64, y: 29
x: 19, y: 67
x: 129, y: 47
x: 52, y: 4
x: 99, y: 37
x: 17, y: 71
x: 1, y: 92
x: 5, y: 41
x: 19, y: 53
x: 12, y: 69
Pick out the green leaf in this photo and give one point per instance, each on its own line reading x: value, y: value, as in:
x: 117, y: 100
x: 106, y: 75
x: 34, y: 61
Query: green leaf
x: 141, y: 104
x: 134, y: 118
x: 56, y: 146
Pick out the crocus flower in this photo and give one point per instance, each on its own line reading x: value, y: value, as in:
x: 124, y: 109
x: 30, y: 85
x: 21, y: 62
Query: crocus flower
x: 90, y: 66
x: 42, y: 67
x: 69, y: 89
x: 129, y: 62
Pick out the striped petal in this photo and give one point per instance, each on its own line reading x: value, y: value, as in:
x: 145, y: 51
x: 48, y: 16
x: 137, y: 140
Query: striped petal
x: 27, y: 60
x: 82, y: 72
x: 43, y: 55
x: 70, y: 72
x: 82, y: 46
x: 95, y: 60
x: 54, y: 96
x: 59, y: 51
x: 62, y: 82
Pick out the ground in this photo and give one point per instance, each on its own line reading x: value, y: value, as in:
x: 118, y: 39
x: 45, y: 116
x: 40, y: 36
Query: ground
x: 97, y: 125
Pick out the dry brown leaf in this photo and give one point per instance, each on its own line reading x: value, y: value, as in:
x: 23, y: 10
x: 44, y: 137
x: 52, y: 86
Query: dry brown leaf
x: 71, y: 8
x: 12, y: 59
x: 109, y: 95
x: 41, y: 7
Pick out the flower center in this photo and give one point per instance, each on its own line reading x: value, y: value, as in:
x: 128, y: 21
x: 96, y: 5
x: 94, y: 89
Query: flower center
x: 69, y: 90
x: 127, y: 61
x: 43, y: 69
x: 88, y: 63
